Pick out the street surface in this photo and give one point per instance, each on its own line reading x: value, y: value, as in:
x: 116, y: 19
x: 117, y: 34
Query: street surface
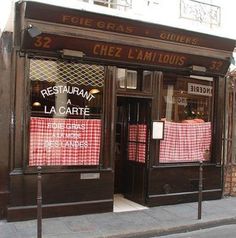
x: 227, y: 231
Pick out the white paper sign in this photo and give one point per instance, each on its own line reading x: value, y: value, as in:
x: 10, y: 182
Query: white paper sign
x: 158, y: 130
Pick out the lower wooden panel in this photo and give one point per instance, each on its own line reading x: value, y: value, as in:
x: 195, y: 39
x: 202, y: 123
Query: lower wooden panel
x: 3, y: 203
x: 134, y: 182
x: 168, y: 199
x: 179, y: 184
x: 55, y: 210
x: 63, y: 194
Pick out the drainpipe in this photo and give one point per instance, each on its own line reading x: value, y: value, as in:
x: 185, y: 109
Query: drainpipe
x: 232, y: 128
x: 224, y: 137
x: 229, y: 164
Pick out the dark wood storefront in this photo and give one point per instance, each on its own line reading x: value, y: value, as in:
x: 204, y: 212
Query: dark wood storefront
x: 153, y: 53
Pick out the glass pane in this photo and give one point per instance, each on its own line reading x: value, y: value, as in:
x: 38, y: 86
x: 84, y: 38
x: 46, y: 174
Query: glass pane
x: 103, y: 3
x: 121, y: 73
x: 137, y: 142
x: 66, y: 112
x: 187, y: 99
x: 147, y: 81
x: 187, y: 110
x: 127, y: 79
x: 131, y: 79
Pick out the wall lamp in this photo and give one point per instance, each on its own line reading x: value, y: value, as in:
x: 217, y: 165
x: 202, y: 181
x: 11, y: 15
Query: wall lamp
x: 72, y: 53
x: 33, y: 31
x: 197, y: 68
x: 94, y: 91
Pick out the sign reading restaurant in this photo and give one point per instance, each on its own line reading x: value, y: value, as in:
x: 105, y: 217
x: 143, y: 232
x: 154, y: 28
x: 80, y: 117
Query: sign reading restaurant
x: 69, y: 109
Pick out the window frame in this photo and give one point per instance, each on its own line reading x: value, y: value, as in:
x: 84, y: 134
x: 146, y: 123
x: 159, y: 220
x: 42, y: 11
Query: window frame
x: 104, y: 159
x: 156, y: 161
x: 141, y: 89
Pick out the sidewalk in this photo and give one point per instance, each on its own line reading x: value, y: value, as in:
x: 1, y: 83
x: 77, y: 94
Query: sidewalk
x: 143, y: 223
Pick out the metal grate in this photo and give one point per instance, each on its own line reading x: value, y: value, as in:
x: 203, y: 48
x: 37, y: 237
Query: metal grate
x: 62, y: 71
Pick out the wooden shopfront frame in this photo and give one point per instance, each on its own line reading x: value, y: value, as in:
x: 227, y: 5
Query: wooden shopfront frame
x: 112, y: 42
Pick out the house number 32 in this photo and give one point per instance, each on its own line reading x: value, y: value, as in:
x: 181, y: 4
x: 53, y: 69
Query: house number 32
x: 43, y: 42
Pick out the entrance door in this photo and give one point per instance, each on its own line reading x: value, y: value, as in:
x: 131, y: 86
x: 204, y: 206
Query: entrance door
x: 132, y: 131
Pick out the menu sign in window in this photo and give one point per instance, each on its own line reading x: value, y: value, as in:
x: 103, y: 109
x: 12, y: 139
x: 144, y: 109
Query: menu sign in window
x: 56, y: 141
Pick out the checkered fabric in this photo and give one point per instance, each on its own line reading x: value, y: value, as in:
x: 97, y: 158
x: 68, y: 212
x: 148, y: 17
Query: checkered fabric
x: 137, y: 143
x: 185, y: 142
x: 56, y: 141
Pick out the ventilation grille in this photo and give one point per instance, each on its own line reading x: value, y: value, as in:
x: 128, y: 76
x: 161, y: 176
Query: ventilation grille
x: 61, y: 71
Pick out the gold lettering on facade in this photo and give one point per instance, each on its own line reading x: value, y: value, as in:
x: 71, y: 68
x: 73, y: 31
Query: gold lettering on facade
x: 141, y: 55
x: 131, y: 54
x: 107, y: 50
x: 179, y: 38
x: 148, y: 56
x: 103, y: 25
x: 78, y: 21
x: 154, y: 57
x: 125, y: 28
x: 111, y: 26
x: 216, y: 65
x: 171, y: 59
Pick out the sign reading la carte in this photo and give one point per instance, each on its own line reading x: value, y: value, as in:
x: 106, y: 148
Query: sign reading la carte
x: 67, y: 110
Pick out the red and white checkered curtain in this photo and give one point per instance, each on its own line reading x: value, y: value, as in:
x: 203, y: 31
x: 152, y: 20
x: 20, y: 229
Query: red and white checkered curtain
x: 137, y: 143
x: 185, y: 142
x: 56, y: 141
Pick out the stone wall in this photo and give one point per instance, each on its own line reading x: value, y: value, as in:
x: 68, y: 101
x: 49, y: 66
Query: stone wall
x: 230, y: 180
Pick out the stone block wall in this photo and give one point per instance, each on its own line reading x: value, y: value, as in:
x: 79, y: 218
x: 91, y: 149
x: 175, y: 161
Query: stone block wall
x: 230, y: 180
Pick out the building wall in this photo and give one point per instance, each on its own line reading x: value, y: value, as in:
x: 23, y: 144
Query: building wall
x: 206, y: 16
x: 230, y: 137
x: 5, y: 117
x: 230, y: 180
x: 5, y: 127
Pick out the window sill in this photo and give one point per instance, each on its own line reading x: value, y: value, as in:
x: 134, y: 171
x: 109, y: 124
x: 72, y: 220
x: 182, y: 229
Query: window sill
x: 58, y: 169
x: 190, y: 164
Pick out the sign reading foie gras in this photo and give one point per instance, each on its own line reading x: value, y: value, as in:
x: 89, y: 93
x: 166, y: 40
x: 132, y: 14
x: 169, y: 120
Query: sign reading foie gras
x: 59, y: 140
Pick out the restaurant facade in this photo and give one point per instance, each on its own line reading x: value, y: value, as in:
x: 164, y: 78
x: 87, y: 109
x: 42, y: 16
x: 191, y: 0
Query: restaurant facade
x: 108, y: 105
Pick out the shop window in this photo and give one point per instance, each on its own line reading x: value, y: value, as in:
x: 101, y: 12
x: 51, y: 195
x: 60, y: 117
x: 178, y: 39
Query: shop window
x: 133, y: 80
x: 187, y: 111
x: 66, y: 112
